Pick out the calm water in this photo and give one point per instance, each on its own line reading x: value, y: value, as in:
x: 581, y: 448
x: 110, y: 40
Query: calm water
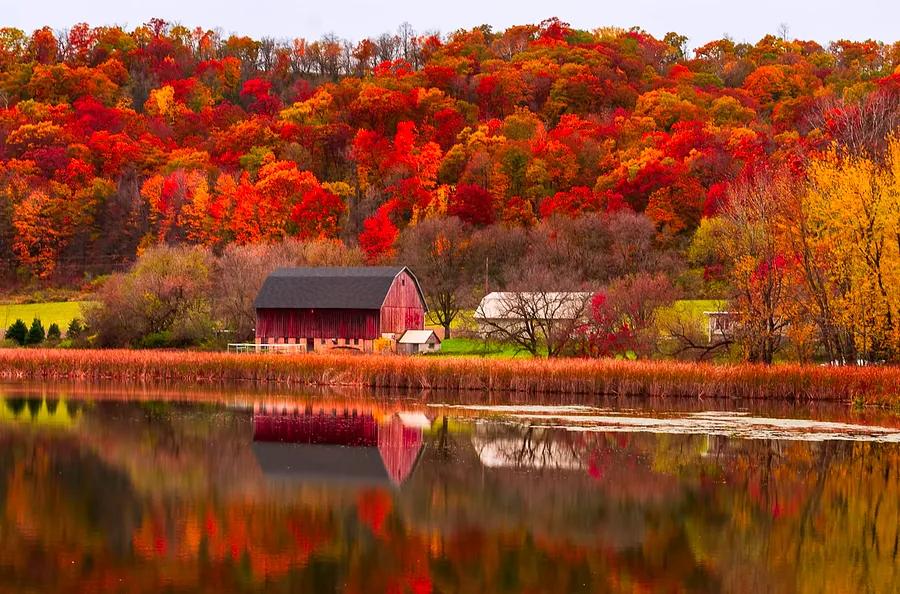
x: 107, y: 492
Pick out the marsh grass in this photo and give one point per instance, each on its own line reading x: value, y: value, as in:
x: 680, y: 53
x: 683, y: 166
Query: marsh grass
x: 603, y: 377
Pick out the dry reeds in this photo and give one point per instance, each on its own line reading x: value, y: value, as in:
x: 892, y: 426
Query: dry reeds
x: 535, y: 376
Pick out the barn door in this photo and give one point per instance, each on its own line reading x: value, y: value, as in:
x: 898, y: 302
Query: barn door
x: 310, y: 345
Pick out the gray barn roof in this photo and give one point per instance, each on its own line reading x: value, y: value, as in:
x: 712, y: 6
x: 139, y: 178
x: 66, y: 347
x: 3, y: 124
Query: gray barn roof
x: 321, y: 463
x: 329, y: 287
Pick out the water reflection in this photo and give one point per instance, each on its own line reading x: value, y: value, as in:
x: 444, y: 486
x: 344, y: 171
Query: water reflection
x: 373, y: 496
x: 309, y: 444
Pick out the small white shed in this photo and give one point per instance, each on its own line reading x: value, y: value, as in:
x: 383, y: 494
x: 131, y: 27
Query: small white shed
x: 418, y: 341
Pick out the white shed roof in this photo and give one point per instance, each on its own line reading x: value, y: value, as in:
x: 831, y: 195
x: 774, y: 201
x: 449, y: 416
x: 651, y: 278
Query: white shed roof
x: 417, y: 337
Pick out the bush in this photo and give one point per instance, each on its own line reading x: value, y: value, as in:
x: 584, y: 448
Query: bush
x: 167, y: 291
x: 75, y: 329
x: 46, y: 294
x: 36, y: 333
x: 381, y: 345
x: 54, y: 333
x: 17, y: 333
x: 156, y: 340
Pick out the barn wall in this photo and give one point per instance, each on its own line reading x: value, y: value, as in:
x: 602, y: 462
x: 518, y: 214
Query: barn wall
x: 318, y: 323
x: 335, y: 429
x: 403, y: 308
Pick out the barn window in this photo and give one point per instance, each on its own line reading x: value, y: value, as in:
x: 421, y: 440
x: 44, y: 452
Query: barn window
x: 322, y: 341
x: 334, y: 341
x: 402, y: 282
x: 356, y: 341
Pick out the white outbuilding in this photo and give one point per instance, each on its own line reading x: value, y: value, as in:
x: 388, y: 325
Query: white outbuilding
x: 418, y: 341
x: 507, y: 310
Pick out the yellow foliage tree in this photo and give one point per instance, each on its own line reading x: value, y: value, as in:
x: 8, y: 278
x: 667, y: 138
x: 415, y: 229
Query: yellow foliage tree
x: 850, y: 221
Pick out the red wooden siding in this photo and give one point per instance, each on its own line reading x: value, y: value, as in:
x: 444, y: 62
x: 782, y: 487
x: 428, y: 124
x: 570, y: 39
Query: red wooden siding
x: 317, y: 323
x: 335, y: 429
x: 403, y: 308
x: 397, y: 444
x: 399, y: 447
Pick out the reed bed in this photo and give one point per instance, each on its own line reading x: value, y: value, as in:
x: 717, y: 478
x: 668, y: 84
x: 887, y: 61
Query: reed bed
x: 605, y: 377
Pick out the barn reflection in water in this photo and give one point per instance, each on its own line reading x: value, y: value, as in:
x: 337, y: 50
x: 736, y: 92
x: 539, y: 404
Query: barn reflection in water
x: 354, y: 446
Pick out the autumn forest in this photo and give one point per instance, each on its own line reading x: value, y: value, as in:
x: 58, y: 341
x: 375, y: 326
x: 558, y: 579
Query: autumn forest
x: 542, y: 309
x: 762, y: 173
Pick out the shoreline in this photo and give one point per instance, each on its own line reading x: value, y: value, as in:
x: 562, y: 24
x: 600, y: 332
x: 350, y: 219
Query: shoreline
x: 581, y: 377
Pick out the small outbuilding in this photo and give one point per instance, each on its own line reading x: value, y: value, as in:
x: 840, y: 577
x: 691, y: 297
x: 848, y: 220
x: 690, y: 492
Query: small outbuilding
x: 720, y: 324
x: 510, y: 310
x: 418, y: 341
x: 327, y: 308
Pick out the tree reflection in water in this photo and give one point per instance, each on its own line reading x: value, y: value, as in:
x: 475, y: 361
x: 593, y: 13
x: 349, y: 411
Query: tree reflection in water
x: 364, y: 497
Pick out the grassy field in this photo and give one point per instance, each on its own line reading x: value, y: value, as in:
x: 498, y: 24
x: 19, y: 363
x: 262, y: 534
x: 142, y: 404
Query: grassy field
x: 696, y: 307
x: 475, y: 347
x: 60, y: 312
x: 464, y: 320
x: 690, y: 309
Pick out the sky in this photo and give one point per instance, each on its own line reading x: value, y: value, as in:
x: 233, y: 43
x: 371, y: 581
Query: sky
x: 700, y: 20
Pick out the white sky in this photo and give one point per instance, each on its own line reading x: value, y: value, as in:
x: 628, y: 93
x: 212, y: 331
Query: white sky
x: 700, y: 20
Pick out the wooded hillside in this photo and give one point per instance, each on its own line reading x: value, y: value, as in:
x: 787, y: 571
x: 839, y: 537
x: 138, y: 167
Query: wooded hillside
x: 112, y: 139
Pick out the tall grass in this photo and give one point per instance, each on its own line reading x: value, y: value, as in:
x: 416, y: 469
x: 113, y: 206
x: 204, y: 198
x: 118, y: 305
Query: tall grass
x: 526, y: 377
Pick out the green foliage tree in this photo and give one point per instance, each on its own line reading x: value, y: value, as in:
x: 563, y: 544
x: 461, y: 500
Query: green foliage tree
x: 75, y: 329
x: 36, y: 334
x: 53, y: 332
x: 17, y: 332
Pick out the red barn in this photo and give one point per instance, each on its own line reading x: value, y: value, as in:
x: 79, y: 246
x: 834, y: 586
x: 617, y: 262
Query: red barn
x: 349, y: 308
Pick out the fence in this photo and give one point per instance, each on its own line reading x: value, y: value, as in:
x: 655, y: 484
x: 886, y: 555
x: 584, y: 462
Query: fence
x: 251, y: 347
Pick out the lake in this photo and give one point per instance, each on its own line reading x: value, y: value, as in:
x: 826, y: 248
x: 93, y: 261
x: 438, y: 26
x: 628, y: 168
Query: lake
x: 143, y: 490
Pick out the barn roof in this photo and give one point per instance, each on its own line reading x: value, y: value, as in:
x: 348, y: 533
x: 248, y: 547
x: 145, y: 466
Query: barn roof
x: 343, y: 448
x: 363, y: 287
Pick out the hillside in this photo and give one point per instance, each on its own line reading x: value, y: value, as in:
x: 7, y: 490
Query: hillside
x: 113, y: 139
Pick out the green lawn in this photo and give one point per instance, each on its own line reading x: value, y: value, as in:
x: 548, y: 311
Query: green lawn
x: 475, y: 347
x: 59, y: 312
x: 463, y: 320
x: 691, y: 309
x: 696, y: 307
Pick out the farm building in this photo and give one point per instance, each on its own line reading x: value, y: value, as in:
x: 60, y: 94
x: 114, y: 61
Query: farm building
x: 418, y: 341
x: 509, y: 310
x: 320, y: 309
x: 720, y: 324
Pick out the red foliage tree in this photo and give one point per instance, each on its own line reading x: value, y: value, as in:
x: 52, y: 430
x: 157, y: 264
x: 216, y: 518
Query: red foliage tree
x: 378, y: 236
x: 318, y: 215
x: 472, y: 204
